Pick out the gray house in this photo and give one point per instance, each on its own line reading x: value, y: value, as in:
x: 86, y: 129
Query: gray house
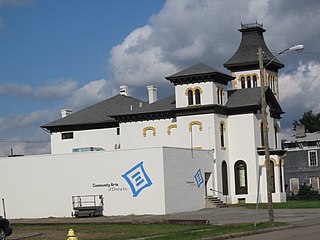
x: 302, y: 165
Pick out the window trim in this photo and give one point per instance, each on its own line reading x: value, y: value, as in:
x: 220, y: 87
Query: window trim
x: 67, y: 135
x: 316, y: 158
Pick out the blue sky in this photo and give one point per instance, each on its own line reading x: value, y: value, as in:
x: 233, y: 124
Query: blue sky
x: 73, y: 53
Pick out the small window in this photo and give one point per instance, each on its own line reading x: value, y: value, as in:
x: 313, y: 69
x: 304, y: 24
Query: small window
x: 222, y: 135
x: 313, y: 159
x: 276, y: 136
x: 220, y: 96
x: 190, y: 97
x: 67, y: 135
x: 243, y: 83
x: 249, y: 82
x: 198, y: 99
x: 255, y: 83
x: 261, y: 134
x: 118, y: 131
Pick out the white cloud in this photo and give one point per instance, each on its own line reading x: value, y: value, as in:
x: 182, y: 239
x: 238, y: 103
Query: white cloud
x: 300, y: 91
x: 56, y: 89
x: 93, y: 92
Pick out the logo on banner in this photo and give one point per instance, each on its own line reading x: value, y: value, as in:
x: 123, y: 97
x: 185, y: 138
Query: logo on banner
x: 198, y: 177
x: 137, y: 178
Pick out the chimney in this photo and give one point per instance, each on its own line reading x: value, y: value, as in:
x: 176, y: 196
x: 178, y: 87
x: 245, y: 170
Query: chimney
x: 152, y: 91
x: 124, y: 90
x: 65, y: 112
x: 300, y: 131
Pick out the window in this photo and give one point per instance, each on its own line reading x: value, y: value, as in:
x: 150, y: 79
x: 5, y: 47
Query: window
x: 272, y: 176
x: 248, y: 82
x: 224, y: 170
x: 67, y: 135
x: 314, y: 183
x: 255, y: 84
x: 220, y: 96
x: 276, y: 136
x: 197, y: 95
x: 261, y: 134
x: 294, y: 185
x: 313, y: 159
x: 240, y: 172
x: 118, y: 131
x: 243, y: 83
x: 222, y: 129
x: 190, y: 97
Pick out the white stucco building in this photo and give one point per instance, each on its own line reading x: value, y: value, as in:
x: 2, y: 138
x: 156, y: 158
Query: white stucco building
x: 161, y: 156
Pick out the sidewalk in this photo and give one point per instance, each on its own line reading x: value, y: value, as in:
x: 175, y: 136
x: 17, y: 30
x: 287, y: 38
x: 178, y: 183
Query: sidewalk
x: 217, y: 216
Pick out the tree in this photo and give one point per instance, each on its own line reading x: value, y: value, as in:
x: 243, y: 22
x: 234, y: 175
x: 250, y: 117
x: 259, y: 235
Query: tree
x: 310, y: 120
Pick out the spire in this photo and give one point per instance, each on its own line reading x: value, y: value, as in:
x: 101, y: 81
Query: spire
x: 246, y: 57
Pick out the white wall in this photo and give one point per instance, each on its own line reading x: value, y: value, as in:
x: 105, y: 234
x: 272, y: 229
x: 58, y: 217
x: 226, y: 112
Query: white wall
x: 42, y: 186
x: 105, y: 138
x: 182, y: 192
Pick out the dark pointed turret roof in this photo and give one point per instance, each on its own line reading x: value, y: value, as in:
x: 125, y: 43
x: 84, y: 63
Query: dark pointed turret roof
x: 246, y: 57
x: 199, y: 73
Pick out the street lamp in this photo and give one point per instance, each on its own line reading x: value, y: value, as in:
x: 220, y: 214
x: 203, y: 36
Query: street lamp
x: 265, y: 121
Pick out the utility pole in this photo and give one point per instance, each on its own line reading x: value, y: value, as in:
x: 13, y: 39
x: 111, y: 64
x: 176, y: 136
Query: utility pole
x: 265, y: 134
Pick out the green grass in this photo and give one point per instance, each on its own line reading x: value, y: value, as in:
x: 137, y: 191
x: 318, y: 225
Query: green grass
x: 289, y: 204
x: 131, y: 231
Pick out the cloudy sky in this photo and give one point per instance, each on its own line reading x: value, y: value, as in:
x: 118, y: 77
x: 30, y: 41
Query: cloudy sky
x: 71, y: 54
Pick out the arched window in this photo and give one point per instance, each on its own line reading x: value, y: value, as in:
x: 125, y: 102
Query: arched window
x: 276, y: 131
x: 280, y: 174
x: 272, y: 176
x: 224, y: 170
x: 249, y: 82
x: 261, y: 134
x: 222, y: 137
x: 190, y: 97
x: 243, y: 83
x: 255, y: 83
x: 240, y: 173
x: 197, y: 95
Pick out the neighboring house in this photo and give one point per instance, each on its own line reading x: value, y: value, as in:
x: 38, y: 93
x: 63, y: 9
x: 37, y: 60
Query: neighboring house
x: 203, y: 141
x: 302, y: 164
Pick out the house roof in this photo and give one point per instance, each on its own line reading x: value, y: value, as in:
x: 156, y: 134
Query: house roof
x: 199, y: 73
x: 120, y: 108
x: 97, y: 115
x: 246, y: 57
x: 315, y: 136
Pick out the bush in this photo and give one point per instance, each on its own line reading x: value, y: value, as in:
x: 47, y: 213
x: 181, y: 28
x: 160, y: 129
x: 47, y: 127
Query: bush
x: 305, y: 193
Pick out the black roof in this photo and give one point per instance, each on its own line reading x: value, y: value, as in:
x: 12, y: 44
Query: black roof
x: 199, y: 73
x: 246, y: 57
x: 97, y: 115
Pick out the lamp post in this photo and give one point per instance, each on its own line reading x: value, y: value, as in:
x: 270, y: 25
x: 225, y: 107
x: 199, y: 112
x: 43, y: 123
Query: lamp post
x: 265, y: 122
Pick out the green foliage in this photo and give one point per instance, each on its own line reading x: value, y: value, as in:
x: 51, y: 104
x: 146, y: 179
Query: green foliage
x: 310, y: 120
x: 306, y: 192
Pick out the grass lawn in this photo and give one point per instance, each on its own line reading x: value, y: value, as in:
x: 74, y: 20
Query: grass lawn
x: 130, y: 231
x: 289, y: 204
